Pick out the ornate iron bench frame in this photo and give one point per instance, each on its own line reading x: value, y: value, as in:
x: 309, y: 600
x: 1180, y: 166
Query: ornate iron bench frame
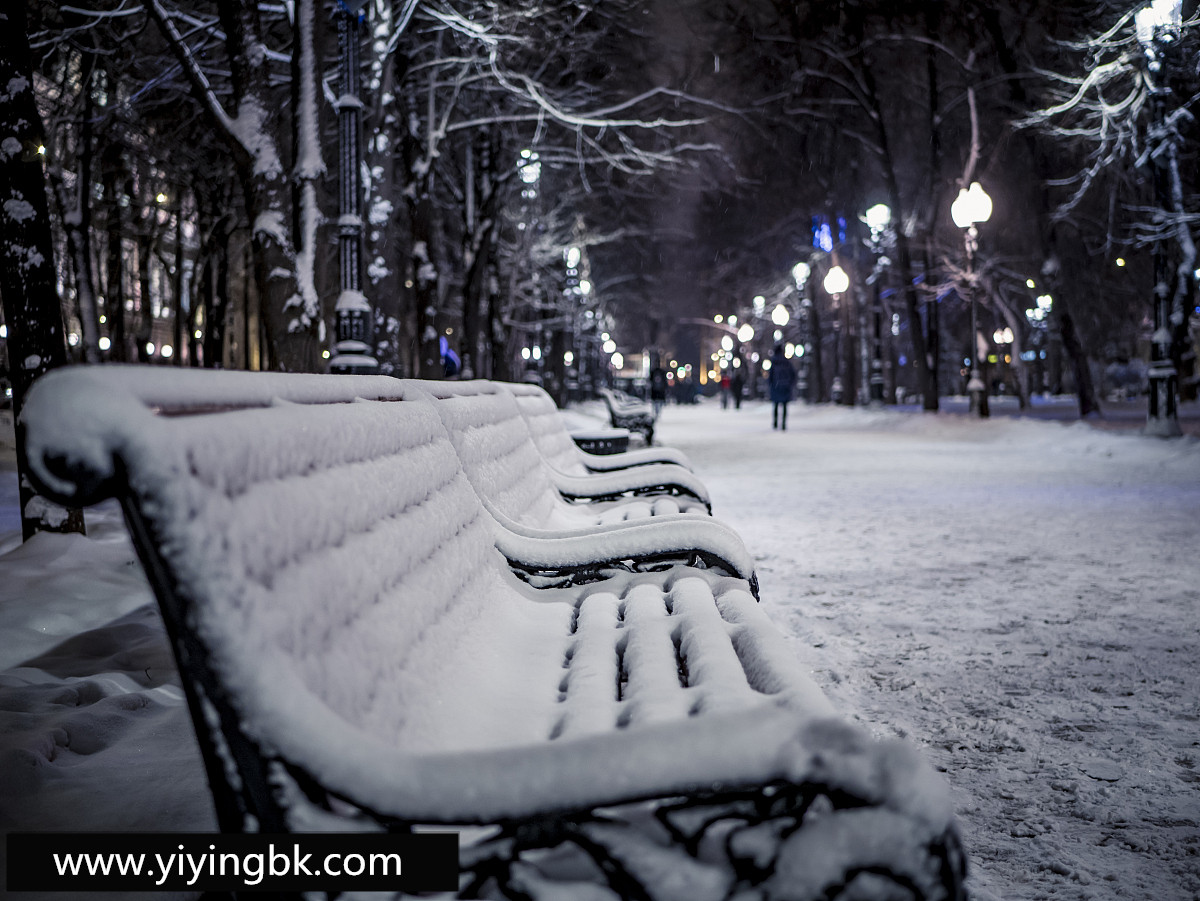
x: 767, y: 794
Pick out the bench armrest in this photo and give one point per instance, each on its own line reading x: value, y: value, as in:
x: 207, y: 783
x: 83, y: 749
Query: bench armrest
x: 642, y: 456
x: 580, y: 555
x: 633, y: 480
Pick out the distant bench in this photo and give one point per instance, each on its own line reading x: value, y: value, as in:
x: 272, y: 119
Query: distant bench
x: 362, y: 647
x: 625, y: 412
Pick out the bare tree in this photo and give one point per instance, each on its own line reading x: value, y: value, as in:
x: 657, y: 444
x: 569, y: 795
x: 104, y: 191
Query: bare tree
x: 1115, y: 115
x: 32, y: 308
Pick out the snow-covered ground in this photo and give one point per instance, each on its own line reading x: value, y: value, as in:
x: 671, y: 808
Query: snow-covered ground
x: 1018, y: 597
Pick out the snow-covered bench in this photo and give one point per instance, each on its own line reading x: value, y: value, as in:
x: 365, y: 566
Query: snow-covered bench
x: 357, y: 654
x: 562, y: 448
x: 625, y: 412
x: 504, y: 463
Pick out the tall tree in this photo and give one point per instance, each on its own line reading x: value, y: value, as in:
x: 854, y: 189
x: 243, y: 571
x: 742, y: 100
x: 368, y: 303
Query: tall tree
x: 32, y: 309
x: 1112, y: 114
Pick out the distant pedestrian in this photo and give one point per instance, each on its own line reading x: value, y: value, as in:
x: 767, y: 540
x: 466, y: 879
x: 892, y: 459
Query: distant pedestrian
x: 724, y: 390
x: 781, y: 379
x: 658, y: 389
x: 737, y: 383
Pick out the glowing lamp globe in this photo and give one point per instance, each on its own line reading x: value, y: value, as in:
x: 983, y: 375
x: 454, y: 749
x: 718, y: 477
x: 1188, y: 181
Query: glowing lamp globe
x: 971, y: 206
x: 836, y: 281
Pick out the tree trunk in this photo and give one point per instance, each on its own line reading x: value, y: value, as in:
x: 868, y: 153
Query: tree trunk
x: 145, y: 320
x: 816, y: 375
x: 177, y: 283
x: 32, y: 309
x: 926, y: 366
x: 478, y: 255
x: 1072, y: 341
x: 429, y: 358
x: 309, y: 166
x: 113, y: 165
x: 76, y: 217
x: 216, y: 296
x: 291, y: 322
x: 388, y: 232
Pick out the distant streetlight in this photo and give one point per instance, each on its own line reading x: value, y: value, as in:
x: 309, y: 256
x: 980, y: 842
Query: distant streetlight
x: 745, y: 333
x: 354, y: 320
x: 1158, y: 28
x: 879, y: 220
x: 780, y: 316
x: 836, y: 282
x: 878, y: 217
x: 973, y: 206
x: 800, y: 273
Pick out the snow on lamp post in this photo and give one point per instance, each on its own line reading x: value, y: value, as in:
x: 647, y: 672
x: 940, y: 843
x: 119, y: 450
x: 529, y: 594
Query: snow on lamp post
x: 353, y: 317
x: 972, y: 206
x: 879, y: 220
x: 1158, y: 28
x: 836, y: 282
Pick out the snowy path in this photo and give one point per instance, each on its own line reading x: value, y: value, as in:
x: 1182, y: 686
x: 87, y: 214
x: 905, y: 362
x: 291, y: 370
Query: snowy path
x: 1018, y: 597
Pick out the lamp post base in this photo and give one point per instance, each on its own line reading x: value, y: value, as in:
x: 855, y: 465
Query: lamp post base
x: 978, y: 393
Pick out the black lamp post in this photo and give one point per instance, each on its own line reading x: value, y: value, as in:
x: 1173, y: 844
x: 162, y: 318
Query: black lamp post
x: 800, y: 274
x: 879, y: 220
x: 970, y: 207
x: 1158, y: 27
x: 354, y: 331
x: 836, y: 282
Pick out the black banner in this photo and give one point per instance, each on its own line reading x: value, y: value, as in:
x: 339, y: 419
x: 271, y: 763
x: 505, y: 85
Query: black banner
x: 131, y: 862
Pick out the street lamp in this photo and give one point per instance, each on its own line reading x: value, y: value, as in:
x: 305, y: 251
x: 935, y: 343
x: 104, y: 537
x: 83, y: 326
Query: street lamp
x: 1158, y: 27
x: 879, y: 220
x: 836, y: 282
x: 969, y: 208
x: 352, y: 352
x: 800, y: 273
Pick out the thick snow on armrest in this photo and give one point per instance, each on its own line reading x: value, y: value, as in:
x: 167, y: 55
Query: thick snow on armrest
x: 615, y: 482
x: 659, y: 536
x: 640, y: 456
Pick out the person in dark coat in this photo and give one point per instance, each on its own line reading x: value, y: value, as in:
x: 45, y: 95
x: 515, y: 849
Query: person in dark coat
x: 737, y: 382
x: 781, y: 380
x: 658, y: 389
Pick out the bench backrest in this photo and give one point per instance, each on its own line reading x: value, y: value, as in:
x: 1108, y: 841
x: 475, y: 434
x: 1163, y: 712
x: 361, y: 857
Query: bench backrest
x: 546, y: 427
x: 325, y: 568
x: 497, y: 452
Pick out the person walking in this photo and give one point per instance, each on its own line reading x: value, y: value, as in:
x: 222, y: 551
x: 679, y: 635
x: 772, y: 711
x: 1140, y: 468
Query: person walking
x: 658, y: 389
x: 781, y: 379
x: 737, y: 382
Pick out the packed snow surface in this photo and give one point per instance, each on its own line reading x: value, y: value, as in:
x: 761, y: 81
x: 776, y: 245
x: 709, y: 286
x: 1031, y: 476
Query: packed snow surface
x: 1018, y: 598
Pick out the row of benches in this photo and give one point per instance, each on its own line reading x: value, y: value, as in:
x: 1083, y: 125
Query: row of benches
x: 400, y: 604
